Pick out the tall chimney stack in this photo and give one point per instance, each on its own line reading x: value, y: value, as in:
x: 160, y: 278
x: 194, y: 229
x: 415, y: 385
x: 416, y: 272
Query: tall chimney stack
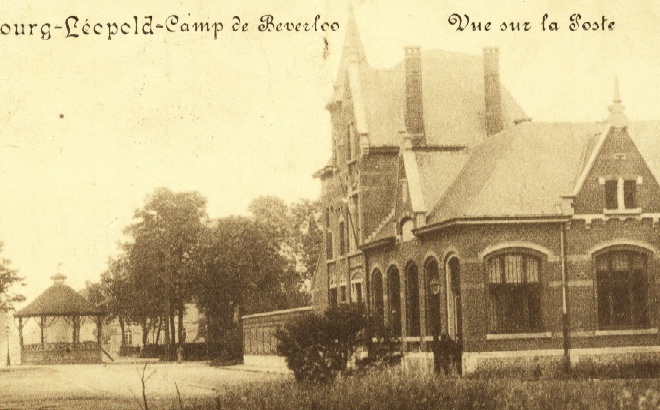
x: 414, y: 105
x: 493, y: 91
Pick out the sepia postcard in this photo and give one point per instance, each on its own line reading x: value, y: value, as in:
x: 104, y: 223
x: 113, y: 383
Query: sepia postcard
x: 329, y: 204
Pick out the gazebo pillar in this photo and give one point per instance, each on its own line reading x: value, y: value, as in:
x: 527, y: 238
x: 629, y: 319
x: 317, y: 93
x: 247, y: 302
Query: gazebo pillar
x: 20, y: 332
x: 99, y: 331
x: 43, y: 336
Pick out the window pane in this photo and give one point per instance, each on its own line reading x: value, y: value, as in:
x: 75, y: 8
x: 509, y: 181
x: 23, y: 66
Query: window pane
x: 620, y: 261
x: 638, y: 261
x: 630, y: 194
x: 333, y: 296
x: 513, y: 271
x: 495, y: 270
x: 532, y: 270
x: 601, y: 264
x: 604, y: 292
x: 610, y: 194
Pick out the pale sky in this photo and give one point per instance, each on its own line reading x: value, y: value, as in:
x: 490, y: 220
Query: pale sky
x: 243, y: 115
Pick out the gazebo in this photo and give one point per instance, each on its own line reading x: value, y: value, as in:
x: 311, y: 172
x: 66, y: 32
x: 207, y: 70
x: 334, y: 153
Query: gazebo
x: 60, y: 303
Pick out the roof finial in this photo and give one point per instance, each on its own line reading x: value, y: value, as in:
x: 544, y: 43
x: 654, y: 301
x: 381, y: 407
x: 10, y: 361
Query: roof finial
x: 58, y: 278
x: 617, y: 117
x: 352, y: 42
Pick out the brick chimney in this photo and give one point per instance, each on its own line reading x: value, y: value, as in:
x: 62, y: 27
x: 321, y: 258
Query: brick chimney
x: 493, y: 91
x: 414, y: 106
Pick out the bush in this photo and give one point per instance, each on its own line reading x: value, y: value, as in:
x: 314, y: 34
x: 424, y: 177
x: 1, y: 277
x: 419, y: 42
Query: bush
x: 317, y: 347
x: 128, y: 350
x: 152, y: 351
x: 228, y: 348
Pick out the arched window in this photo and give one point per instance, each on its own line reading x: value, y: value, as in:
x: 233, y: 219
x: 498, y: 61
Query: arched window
x: 514, y: 291
x: 622, y: 287
x: 433, y: 290
x: 379, y: 303
x: 394, y: 296
x: 412, y: 300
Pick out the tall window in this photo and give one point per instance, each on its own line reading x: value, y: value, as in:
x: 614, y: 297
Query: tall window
x: 394, y: 295
x: 412, y: 301
x: 356, y: 291
x: 329, y: 253
x: 611, y: 194
x: 342, y: 238
x: 433, y: 289
x: 515, y: 293
x: 379, y: 303
x: 333, y: 291
x: 622, y: 288
x: 630, y: 194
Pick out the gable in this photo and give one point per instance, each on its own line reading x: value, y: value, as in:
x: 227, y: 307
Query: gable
x: 618, y: 159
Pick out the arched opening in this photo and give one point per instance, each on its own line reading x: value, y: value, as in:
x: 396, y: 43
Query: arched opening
x: 433, y: 289
x: 394, y: 295
x: 514, y: 291
x: 454, y: 308
x: 622, y: 289
x: 379, y: 303
x: 412, y: 301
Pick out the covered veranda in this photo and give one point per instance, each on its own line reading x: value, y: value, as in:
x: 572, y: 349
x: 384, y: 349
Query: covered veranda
x: 60, y: 308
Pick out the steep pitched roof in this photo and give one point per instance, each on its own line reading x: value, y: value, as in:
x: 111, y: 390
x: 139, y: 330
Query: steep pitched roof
x: 430, y: 174
x: 526, y: 170
x: 59, y: 300
x: 453, y: 100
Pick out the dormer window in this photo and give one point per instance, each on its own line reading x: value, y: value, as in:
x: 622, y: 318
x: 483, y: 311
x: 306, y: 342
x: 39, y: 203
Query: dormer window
x: 621, y: 194
x: 630, y: 194
x: 407, y: 227
x: 611, y: 194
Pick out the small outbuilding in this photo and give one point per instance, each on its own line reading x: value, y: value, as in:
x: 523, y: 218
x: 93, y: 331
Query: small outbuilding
x: 61, y: 303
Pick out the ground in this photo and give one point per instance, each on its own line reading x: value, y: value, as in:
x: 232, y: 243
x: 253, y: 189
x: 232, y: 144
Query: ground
x: 117, y: 386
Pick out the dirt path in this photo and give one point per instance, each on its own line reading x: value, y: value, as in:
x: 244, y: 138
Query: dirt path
x: 116, y: 386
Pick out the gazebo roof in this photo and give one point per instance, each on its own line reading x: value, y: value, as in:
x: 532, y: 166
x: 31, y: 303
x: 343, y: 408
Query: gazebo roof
x: 59, y: 300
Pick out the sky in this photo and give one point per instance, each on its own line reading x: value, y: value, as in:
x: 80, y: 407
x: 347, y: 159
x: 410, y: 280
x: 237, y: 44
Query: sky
x: 90, y: 127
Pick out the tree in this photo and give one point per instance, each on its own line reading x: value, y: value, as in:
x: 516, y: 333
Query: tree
x: 297, y: 234
x: 162, y: 257
x: 8, y: 277
x: 242, y: 269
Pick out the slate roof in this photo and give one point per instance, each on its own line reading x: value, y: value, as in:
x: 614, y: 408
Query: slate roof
x: 526, y: 170
x: 59, y: 300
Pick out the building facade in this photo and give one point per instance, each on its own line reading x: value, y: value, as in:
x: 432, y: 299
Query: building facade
x: 447, y: 210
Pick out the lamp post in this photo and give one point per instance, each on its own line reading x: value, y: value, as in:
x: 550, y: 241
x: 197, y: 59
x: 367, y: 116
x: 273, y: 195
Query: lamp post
x: 8, y: 358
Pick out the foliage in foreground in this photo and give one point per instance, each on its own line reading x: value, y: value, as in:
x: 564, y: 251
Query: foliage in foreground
x: 317, y: 347
x: 394, y: 389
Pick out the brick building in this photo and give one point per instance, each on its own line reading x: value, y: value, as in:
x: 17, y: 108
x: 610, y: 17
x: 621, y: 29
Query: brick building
x: 448, y: 211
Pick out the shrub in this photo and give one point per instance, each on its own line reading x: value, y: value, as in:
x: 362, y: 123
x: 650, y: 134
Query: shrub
x: 128, y: 350
x: 317, y: 347
x: 229, y: 346
x: 152, y: 351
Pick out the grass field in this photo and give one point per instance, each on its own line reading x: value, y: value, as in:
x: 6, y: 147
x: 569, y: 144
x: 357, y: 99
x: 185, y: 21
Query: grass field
x: 397, y: 390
